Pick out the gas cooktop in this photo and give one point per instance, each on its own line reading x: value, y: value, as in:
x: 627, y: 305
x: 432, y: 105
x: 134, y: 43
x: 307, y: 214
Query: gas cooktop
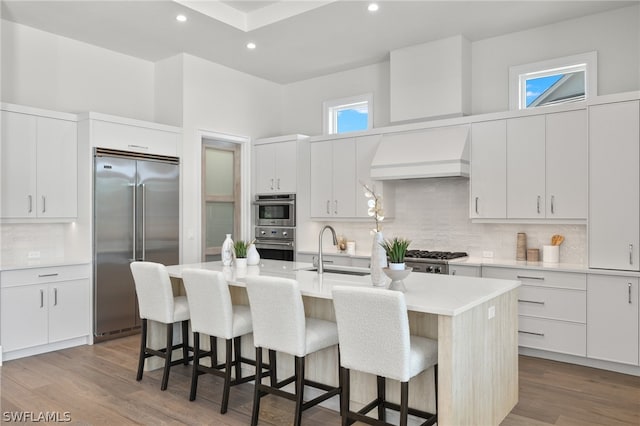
x: 416, y: 255
x: 435, y: 262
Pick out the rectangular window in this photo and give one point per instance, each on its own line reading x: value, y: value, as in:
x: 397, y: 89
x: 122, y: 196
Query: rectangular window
x: 553, y: 82
x: 348, y: 114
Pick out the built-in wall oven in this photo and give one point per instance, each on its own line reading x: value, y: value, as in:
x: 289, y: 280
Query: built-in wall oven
x: 275, y: 230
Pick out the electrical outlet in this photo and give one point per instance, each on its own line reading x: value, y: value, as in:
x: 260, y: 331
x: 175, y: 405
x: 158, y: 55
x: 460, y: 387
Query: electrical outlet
x: 488, y: 254
x: 492, y: 311
x: 33, y: 255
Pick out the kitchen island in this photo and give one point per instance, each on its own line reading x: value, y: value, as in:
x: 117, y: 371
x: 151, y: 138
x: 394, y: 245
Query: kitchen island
x: 474, y: 320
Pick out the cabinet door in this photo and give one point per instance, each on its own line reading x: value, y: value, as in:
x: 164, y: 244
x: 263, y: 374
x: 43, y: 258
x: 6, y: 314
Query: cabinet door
x: 567, y: 165
x: 321, y: 179
x: 68, y: 310
x: 614, y: 176
x: 489, y: 170
x: 18, y: 166
x: 286, y: 170
x: 24, y: 317
x: 57, y: 168
x: 525, y: 167
x: 344, y: 178
x: 612, y: 318
x: 265, y: 156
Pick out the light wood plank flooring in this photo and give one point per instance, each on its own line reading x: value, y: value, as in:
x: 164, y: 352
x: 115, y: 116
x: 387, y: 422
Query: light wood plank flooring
x: 96, y: 385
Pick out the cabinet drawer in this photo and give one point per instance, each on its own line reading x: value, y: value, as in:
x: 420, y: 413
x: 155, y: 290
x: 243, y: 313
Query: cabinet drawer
x: 571, y: 280
x: 556, y: 336
x: 45, y: 275
x: 464, y: 270
x: 133, y: 138
x: 554, y: 303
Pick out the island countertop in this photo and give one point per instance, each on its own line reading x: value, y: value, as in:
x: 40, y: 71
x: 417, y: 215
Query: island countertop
x: 428, y: 293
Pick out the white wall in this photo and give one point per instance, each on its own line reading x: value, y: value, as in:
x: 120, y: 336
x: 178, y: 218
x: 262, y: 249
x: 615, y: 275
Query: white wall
x: 615, y: 35
x: 219, y: 99
x: 44, y: 70
x: 169, y: 91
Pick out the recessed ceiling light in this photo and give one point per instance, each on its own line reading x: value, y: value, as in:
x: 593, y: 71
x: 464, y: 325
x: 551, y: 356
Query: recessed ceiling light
x: 372, y: 7
x: 181, y: 18
x: 251, y: 45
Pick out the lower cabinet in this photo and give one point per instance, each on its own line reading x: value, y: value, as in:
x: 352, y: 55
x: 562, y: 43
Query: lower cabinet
x: 464, y: 270
x: 43, y: 306
x: 612, y: 318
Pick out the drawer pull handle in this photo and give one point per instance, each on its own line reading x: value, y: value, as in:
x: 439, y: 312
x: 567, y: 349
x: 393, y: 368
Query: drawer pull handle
x: 477, y: 205
x: 55, y: 296
x: 530, y: 301
x: 630, y: 254
x: 531, y: 332
x: 271, y: 184
x: 538, y: 204
x: 48, y: 275
x: 30, y: 203
x: 525, y: 277
x: 42, y: 298
x: 629, y: 293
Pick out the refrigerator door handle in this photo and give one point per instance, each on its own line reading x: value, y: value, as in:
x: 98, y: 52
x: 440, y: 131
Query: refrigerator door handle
x: 133, y: 240
x: 144, y: 212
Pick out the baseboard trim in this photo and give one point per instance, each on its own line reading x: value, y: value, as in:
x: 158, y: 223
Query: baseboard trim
x: 40, y: 349
x: 586, y: 362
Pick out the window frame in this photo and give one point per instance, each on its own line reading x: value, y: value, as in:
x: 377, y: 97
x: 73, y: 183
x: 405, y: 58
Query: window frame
x: 519, y: 74
x: 331, y: 107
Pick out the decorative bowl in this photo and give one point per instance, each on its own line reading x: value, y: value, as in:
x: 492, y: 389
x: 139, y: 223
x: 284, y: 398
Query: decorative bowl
x: 397, y: 275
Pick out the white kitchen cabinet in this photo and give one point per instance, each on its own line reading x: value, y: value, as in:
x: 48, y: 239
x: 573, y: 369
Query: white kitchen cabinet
x: 614, y: 179
x: 488, y: 170
x: 276, y: 167
x: 567, y: 165
x: 39, y: 166
x: 333, y: 178
x: 44, y: 306
x: 125, y: 134
x: 526, y: 167
x: 464, y: 270
x: 612, y: 318
x: 552, y: 308
x: 366, y: 147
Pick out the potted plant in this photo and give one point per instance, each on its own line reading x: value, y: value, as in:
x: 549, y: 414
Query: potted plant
x: 240, y: 248
x: 395, y: 250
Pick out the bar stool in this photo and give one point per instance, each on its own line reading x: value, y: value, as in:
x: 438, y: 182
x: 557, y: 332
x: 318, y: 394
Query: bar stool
x: 157, y: 303
x: 212, y: 313
x: 373, y: 328
x: 279, y: 324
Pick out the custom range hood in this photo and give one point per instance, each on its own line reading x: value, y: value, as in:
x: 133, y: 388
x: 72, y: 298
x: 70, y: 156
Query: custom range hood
x: 425, y: 153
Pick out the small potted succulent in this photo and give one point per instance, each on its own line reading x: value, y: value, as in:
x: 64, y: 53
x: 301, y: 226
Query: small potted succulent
x: 396, y: 249
x: 240, y: 248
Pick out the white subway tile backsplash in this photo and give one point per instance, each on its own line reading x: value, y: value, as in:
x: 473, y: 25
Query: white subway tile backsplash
x: 434, y: 214
x: 17, y: 240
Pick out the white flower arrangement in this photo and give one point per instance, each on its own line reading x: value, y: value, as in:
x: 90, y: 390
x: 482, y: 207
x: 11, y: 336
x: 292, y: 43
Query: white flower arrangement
x: 374, y: 203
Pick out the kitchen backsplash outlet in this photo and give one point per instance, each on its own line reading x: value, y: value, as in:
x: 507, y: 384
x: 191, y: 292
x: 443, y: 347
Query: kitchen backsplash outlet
x: 434, y: 215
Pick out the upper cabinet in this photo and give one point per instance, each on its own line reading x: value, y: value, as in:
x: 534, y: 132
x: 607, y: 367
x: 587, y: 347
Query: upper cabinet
x: 614, y: 179
x: 39, y: 164
x: 276, y: 164
x: 489, y: 170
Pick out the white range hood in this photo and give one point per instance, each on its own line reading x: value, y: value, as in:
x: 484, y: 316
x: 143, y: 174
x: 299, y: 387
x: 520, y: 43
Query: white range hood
x: 427, y: 153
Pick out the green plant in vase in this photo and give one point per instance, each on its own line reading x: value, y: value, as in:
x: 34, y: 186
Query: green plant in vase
x: 240, y: 247
x: 396, y: 249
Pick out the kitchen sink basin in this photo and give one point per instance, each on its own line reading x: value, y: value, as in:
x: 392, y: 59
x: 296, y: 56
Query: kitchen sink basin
x: 360, y: 273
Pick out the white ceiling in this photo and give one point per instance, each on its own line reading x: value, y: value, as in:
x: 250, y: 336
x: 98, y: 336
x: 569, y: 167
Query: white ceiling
x: 296, y: 40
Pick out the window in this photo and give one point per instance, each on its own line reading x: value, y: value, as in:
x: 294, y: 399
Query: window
x: 552, y: 82
x: 348, y: 114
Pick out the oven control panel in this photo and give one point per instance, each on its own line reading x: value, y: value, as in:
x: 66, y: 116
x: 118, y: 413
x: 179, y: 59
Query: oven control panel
x: 275, y: 233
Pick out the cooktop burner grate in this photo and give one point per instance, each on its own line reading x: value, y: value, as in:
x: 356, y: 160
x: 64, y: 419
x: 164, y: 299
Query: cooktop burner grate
x: 436, y: 255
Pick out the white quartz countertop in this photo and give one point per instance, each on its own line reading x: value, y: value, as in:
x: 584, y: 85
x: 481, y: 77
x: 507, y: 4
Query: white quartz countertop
x: 36, y: 263
x: 429, y: 293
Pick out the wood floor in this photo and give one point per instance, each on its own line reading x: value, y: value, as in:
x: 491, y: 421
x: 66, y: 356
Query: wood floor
x: 96, y: 385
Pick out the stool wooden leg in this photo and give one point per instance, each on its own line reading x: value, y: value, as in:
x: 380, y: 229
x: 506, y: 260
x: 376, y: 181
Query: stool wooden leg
x: 227, y: 375
x: 196, y: 363
x: 404, y: 403
x: 185, y: 342
x: 273, y: 370
x: 143, y: 349
x: 346, y: 395
x: 382, y: 397
x: 299, y: 389
x: 256, y: 392
x: 213, y: 344
x: 237, y: 351
x: 435, y: 379
x: 167, y: 359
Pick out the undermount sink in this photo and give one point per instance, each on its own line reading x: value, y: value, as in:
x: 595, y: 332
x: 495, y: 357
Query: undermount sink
x: 360, y: 273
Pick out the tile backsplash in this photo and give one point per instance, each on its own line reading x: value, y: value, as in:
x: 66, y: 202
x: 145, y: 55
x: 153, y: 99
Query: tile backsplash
x: 434, y: 215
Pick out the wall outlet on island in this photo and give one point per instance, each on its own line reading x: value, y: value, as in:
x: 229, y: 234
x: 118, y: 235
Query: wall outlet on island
x: 487, y: 254
x: 33, y: 255
x: 492, y: 311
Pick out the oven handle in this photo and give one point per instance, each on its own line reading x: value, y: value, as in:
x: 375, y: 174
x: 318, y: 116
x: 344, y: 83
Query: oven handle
x: 274, y: 244
x: 274, y: 202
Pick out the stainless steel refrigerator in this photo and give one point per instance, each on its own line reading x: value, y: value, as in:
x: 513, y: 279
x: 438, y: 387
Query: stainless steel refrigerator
x: 136, y: 217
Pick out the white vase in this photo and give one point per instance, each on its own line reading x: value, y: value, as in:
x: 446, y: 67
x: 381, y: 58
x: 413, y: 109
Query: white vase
x: 227, y: 251
x: 253, y: 257
x: 396, y: 266
x: 378, y: 261
x: 241, y: 263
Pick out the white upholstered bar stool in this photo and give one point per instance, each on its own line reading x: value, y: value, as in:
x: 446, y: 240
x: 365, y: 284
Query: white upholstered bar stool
x: 157, y: 303
x: 279, y: 324
x: 213, y: 314
x: 373, y: 328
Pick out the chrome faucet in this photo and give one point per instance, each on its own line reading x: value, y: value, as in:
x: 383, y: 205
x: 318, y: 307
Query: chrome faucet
x: 335, y: 243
